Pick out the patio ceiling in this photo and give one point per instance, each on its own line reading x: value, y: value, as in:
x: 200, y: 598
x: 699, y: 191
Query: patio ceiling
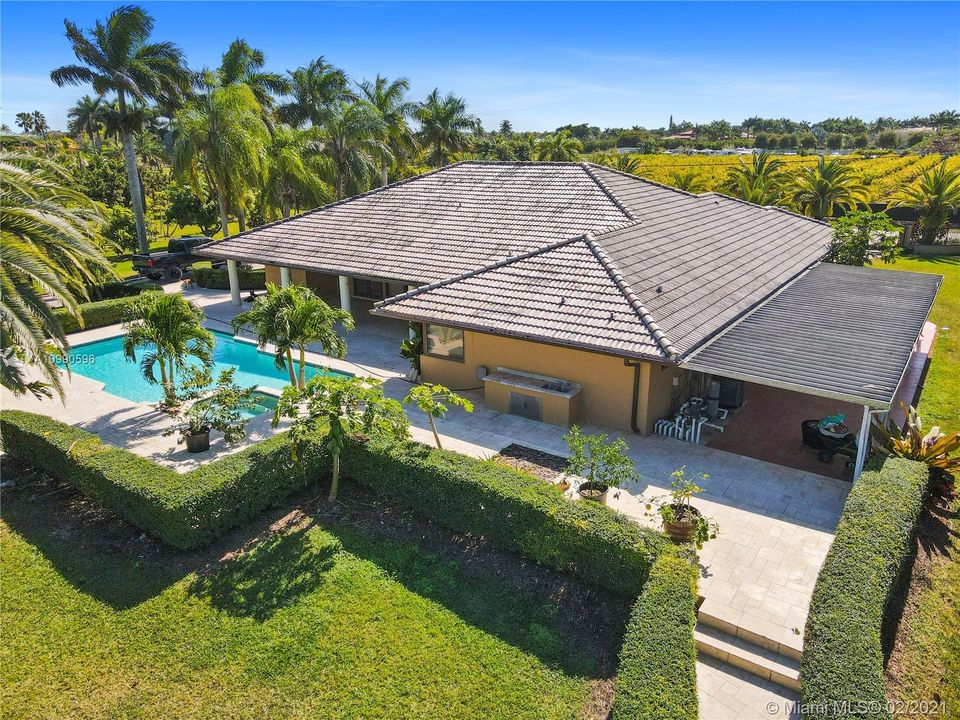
x: 838, y: 331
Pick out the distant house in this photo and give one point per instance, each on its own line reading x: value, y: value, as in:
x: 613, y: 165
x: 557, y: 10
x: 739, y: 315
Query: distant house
x: 575, y: 293
x: 685, y: 135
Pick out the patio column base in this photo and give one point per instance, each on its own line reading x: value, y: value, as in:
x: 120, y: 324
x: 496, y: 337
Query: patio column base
x: 234, y: 279
x: 284, y: 277
x: 344, y: 293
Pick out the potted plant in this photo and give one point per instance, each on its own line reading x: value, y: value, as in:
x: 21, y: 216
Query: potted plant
x: 681, y: 520
x: 203, y: 409
x: 602, y: 464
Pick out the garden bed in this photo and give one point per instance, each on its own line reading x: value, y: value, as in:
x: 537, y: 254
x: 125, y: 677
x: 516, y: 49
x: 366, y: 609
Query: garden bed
x: 357, y: 610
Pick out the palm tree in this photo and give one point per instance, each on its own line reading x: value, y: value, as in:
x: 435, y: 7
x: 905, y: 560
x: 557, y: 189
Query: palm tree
x: 760, y: 181
x: 118, y: 56
x: 49, y: 244
x: 294, y: 317
x: 560, y: 147
x: 88, y: 116
x: 314, y: 89
x: 624, y: 162
x: 389, y: 100
x: 444, y: 124
x: 689, y: 181
x: 829, y: 184
x: 506, y: 128
x: 24, y: 121
x: 169, y: 328
x: 242, y: 64
x: 40, y: 126
x: 351, y: 135
x: 936, y: 195
x: 221, y: 136
x: 945, y: 119
x: 290, y: 179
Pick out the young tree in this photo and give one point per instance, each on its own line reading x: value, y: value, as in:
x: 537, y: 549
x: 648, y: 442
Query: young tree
x: 339, y: 408
x: 118, y: 56
x: 829, y: 183
x: 936, y: 195
x: 169, y: 328
x: 603, y: 464
x: 860, y: 236
x: 434, y: 401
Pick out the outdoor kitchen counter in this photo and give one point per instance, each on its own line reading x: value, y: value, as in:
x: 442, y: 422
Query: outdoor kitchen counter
x: 552, y: 400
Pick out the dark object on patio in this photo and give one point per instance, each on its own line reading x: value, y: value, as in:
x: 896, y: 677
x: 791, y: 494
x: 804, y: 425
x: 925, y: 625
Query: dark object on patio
x: 731, y: 393
x: 826, y: 444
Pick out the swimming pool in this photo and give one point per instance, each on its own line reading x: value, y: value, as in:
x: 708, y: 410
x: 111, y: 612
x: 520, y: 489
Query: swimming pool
x: 103, y: 360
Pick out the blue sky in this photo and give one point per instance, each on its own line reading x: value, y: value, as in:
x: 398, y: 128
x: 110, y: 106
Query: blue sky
x: 542, y: 65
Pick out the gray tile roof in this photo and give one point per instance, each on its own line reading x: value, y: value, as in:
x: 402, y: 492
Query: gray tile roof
x: 837, y: 331
x: 437, y: 225
x: 568, y: 293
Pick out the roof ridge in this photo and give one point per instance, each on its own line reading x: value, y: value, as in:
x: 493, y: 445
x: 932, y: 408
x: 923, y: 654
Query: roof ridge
x: 628, y: 292
x: 644, y: 180
x: 785, y: 211
x: 473, y: 273
x: 335, y: 203
x: 609, y: 193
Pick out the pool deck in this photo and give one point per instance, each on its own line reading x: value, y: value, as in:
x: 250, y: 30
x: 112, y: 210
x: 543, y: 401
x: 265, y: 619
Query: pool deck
x: 776, y: 523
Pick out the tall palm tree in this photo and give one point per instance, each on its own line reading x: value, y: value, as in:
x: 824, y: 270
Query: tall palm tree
x: 293, y: 317
x: 761, y: 181
x: 314, y: 90
x: 24, y: 121
x: 559, y: 147
x: 40, y: 125
x: 444, y: 124
x: 87, y: 117
x: 506, y: 128
x: 118, y: 56
x: 221, y: 136
x: 242, y: 64
x: 936, y: 195
x: 389, y: 100
x: 169, y: 329
x: 351, y: 135
x: 290, y: 179
x: 49, y: 244
x: 829, y: 184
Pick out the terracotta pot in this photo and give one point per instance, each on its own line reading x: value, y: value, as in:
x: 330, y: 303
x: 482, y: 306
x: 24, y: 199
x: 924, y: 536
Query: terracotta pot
x: 593, y: 491
x: 682, y: 530
x: 198, y: 443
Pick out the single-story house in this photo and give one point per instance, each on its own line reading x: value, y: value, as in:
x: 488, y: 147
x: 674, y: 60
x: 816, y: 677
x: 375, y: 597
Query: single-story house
x: 571, y: 292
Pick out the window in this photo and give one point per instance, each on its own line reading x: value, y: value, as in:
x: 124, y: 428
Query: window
x: 446, y: 342
x: 367, y: 289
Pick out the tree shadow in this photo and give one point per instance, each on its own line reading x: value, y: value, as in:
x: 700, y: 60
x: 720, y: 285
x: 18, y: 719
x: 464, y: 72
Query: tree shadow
x: 275, y: 573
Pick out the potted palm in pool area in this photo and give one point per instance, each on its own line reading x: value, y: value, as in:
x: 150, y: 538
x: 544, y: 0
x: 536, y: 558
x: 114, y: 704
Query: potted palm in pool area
x: 203, y: 409
x: 681, y: 520
x: 601, y: 464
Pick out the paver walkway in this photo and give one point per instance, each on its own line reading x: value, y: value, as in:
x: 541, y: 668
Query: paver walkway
x: 776, y: 523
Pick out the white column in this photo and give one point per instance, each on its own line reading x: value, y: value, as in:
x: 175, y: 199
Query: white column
x: 234, y: 282
x: 411, y: 333
x: 863, y: 443
x: 345, y: 293
x: 284, y: 277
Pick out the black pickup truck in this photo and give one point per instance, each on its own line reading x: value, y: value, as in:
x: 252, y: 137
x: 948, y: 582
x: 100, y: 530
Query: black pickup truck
x: 171, y: 264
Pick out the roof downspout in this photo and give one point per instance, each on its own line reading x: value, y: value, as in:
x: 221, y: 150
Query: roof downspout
x: 635, y: 364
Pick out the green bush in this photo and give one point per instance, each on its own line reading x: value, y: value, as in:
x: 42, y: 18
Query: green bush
x: 96, y: 314
x: 113, y: 290
x: 841, y: 673
x: 512, y: 510
x: 657, y: 676
x: 184, y: 510
x: 217, y: 279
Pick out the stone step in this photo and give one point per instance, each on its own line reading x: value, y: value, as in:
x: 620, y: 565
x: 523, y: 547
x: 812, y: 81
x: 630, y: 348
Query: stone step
x: 755, y: 659
x: 740, y: 625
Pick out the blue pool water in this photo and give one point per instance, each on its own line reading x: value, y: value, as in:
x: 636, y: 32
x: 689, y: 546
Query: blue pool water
x: 103, y: 360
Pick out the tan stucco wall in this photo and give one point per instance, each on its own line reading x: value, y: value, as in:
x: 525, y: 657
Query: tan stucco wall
x: 272, y: 274
x: 660, y: 395
x: 607, y: 383
x: 325, y: 285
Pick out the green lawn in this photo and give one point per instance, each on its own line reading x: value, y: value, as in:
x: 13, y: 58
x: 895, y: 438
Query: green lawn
x: 320, y: 620
x: 928, y: 663
x: 125, y: 270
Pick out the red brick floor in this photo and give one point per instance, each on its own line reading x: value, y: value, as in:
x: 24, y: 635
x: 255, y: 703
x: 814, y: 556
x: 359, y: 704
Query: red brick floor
x: 767, y: 427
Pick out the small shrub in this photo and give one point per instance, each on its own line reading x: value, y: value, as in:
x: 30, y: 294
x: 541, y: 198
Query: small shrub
x: 843, y: 660
x: 512, y: 510
x: 113, y: 290
x: 217, y: 279
x: 657, y: 676
x: 97, y: 314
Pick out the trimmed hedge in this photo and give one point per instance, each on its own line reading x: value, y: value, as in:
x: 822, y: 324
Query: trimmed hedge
x: 512, y: 510
x: 113, y: 290
x: 842, y: 669
x: 217, y: 278
x: 657, y: 676
x: 97, y: 314
x: 184, y: 510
